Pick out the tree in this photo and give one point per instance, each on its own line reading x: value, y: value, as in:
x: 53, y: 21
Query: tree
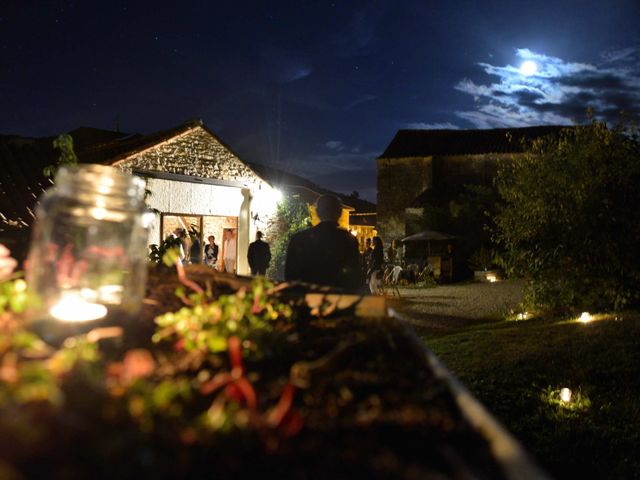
x: 291, y: 216
x: 570, y: 222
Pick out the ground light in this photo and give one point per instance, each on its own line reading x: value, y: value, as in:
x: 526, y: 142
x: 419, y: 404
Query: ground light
x: 585, y: 317
x: 565, y: 395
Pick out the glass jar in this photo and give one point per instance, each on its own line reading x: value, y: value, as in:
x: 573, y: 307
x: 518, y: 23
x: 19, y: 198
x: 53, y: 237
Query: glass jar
x: 88, y: 254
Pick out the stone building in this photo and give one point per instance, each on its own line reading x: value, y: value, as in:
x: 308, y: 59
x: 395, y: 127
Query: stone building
x: 193, y: 177
x: 422, y: 167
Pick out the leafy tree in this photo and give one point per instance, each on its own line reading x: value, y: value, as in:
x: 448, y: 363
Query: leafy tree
x: 466, y: 213
x: 570, y: 223
x: 291, y: 217
x: 64, y: 143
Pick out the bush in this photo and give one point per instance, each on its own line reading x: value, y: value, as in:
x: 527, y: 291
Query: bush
x: 291, y: 217
x: 570, y: 223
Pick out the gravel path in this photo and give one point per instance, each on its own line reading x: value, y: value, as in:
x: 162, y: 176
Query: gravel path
x: 447, y: 308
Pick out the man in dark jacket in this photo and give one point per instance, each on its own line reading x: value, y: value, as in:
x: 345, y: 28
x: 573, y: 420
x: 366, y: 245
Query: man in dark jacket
x: 259, y: 255
x: 325, y: 254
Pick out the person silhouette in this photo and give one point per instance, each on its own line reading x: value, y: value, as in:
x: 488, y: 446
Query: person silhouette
x: 195, y: 251
x: 259, y: 255
x: 325, y: 254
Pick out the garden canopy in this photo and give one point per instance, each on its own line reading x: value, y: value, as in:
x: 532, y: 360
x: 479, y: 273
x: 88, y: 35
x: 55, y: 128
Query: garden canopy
x: 428, y: 235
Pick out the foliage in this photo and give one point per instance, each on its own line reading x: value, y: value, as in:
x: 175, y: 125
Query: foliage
x: 205, y: 325
x: 569, y: 223
x: 579, y: 402
x: 291, y: 217
x: 467, y: 214
x: 64, y: 143
x: 180, y: 395
x: 481, y: 259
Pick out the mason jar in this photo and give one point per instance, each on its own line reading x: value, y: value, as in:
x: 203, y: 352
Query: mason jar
x: 88, y: 254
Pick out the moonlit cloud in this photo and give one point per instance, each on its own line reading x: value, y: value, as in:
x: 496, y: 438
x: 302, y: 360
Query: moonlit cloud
x: 560, y: 91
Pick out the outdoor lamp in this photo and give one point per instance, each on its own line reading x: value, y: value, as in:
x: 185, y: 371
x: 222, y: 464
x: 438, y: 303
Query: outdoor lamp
x: 87, y: 259
x: 565, y: 395
x: 585, y: 317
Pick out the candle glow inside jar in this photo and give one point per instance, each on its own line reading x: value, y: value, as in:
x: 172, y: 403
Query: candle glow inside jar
x: 88, y: 251
x: 73, y: 308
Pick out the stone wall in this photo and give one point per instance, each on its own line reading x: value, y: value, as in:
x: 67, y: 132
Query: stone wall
x: 197, y: 153
x: 455, y: 171
x: 400, y: 181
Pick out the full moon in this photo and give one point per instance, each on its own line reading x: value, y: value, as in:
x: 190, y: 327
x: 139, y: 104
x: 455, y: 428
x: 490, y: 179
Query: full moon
x: 528, y: 68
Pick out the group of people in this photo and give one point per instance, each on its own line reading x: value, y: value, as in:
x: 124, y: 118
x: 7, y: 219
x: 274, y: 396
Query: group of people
x: 258, y: 254
x: 328, y: 255
x: 324, y: 254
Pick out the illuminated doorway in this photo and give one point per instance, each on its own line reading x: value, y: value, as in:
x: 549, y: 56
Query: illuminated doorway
x: 205, y: 225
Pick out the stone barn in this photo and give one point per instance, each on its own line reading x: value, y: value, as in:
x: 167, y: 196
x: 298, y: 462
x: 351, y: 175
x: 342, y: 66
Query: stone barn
x: 422, y: 169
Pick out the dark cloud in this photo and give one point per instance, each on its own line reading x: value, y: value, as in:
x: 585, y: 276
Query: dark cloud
x: 607, y: 81
x: 431, y: 126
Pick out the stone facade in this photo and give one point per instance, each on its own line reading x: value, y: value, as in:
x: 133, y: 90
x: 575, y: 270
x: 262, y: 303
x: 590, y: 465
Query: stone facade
x: 400, y: 181
x: 197, y: 153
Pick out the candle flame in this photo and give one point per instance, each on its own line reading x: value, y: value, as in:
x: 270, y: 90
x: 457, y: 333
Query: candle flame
x: 73, y: 308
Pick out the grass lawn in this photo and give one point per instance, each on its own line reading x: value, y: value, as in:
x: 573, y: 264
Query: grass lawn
x: 517, y: 369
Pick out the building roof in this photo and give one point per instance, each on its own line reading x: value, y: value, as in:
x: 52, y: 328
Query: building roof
x: 23, y: 160
x: 21, y: 177
x: 425, y: 143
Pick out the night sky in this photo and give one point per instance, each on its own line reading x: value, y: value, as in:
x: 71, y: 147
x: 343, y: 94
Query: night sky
x: 317, y: 88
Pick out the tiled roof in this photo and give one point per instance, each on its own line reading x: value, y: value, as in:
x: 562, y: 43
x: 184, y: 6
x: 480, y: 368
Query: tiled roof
x: 23, y: 160
x: 424, y: 143
x: 21, y: 178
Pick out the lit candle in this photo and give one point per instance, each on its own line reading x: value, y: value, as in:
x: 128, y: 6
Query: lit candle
x: 73, y: 308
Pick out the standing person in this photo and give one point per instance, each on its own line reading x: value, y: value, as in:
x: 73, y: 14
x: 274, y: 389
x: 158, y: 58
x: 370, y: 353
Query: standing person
x: 366, y: 256
x: 229, y: 252
x: 195, y: 251
x: 259, y: 255
x: 211, y: 253
x: 374, y: 269
x: 180, y: 234
x: 325, y: 254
